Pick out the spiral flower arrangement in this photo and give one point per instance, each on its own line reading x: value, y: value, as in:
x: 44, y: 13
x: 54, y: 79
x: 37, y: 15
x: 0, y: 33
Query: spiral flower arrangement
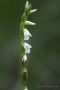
x: 25, y: 47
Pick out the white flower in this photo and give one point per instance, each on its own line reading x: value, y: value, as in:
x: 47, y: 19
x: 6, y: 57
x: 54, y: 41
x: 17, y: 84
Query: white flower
x: 26, y: 34
x: 29, y: 23
x: 27, y: 47
x: 32, y: 11
x: 24, y: 59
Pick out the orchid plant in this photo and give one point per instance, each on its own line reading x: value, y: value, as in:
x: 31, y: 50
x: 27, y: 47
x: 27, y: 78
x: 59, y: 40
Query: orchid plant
x: 25, y: 47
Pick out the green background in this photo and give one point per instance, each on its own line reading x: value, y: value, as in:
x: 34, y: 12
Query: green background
x: 44, y: 60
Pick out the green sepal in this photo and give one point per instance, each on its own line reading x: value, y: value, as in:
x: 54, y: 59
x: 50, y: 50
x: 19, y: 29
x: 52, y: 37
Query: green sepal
x: 23, y: 18
x: 21, y: 26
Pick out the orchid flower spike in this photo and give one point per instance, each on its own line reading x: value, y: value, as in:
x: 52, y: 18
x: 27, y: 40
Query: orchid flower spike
x: 25, y: 47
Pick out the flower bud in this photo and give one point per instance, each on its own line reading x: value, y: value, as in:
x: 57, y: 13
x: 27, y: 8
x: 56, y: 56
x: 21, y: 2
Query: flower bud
x: 29, y: 23
x: 24, y: 74
x: 32, y: 11
x: 27, y: 5
x: 24, y: 59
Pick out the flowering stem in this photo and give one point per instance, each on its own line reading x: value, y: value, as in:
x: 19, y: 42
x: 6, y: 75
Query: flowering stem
x: 24, y: 47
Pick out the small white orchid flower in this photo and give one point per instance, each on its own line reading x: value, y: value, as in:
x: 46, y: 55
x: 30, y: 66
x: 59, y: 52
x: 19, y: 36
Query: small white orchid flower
x: 26, y: 34
x: 29, y: 23
x: 27, y: 47
x: 24, y: 59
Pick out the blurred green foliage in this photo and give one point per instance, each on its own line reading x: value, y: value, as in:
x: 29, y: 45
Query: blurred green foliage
x: 44, y: 61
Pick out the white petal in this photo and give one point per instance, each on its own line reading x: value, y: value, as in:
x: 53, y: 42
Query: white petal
x: 26, y: 37
x: 27, y: 50
x: 26, y: 32
x: 29, y: 23
x: 26, y: 45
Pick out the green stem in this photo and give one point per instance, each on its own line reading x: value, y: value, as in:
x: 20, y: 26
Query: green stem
x: 22, y: 49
